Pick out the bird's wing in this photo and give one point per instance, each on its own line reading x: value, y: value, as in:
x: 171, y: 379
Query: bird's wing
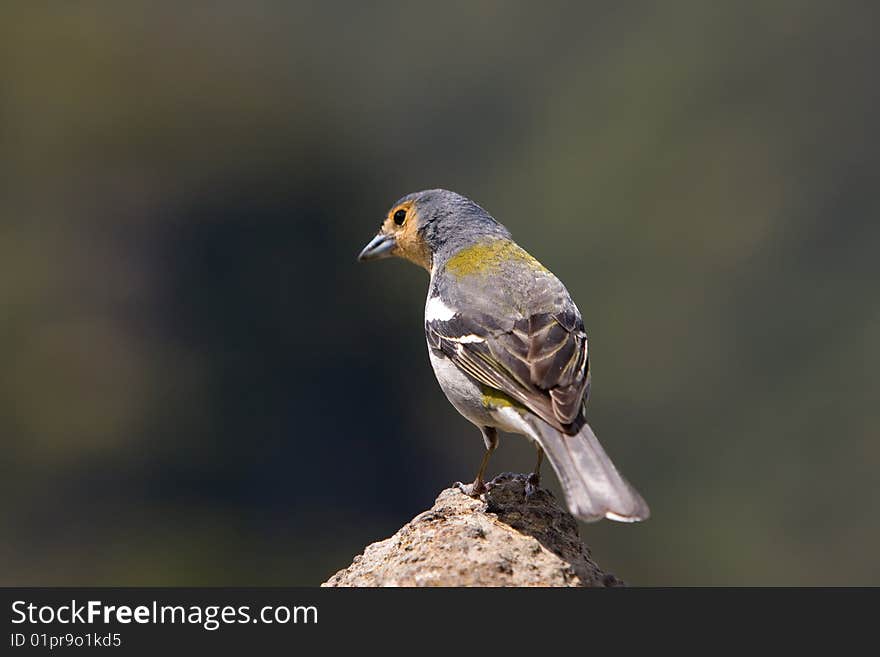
x: 533, y: 347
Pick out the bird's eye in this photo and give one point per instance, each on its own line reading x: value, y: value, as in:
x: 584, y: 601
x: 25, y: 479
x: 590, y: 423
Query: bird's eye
x: 400, y: 217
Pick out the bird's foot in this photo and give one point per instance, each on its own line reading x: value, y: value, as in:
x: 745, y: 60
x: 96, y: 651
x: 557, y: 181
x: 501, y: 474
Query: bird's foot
x: 472, y: 490
x: 532, y: 484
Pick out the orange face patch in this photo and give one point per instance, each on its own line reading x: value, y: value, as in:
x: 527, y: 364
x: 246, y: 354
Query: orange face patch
x: 402, y: 222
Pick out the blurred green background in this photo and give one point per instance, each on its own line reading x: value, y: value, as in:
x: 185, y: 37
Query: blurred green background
x: 200, y: 385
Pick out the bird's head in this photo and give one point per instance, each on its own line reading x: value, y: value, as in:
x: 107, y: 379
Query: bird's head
x: 424, y: 224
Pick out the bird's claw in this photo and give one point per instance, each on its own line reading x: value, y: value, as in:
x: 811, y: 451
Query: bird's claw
x: 475, y: 489
x: 532, y: 483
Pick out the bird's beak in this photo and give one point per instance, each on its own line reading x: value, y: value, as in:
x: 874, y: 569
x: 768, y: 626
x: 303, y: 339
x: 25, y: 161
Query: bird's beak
x: 379, y: 247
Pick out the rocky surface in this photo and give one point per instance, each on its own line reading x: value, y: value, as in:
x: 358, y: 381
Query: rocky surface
x: 503, y: 538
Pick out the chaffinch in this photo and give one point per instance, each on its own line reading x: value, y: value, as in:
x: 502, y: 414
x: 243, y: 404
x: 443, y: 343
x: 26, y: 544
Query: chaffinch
x: 507, y: 345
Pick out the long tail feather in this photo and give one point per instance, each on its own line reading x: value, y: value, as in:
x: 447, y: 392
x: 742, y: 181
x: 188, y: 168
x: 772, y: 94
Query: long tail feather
x: 593, y: 487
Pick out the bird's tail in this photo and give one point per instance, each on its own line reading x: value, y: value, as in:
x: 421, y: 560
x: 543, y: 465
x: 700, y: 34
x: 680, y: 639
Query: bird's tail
x: 593, y: 487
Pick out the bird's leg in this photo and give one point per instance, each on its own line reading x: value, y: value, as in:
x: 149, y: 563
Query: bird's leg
x: 490, y: 437
x: 534, y: 479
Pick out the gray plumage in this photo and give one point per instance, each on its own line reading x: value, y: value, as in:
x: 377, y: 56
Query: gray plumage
x: 449, y: 221
x: 509, y: 349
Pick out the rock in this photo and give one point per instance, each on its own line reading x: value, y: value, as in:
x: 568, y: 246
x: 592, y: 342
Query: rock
x: 502, y: 539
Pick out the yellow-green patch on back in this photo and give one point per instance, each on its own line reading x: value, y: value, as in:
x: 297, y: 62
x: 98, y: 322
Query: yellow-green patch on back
x: 488, y: 256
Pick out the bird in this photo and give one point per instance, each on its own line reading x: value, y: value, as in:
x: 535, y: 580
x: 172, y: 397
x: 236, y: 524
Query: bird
x: 507, y: 345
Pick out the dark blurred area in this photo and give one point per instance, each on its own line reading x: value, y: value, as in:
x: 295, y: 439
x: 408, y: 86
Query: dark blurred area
x: 200, y: 385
